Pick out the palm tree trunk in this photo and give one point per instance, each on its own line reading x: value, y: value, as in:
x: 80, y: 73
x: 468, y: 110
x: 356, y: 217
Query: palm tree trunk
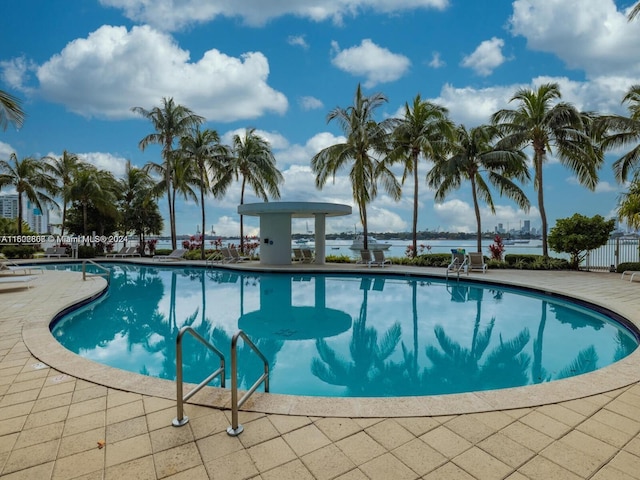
x: 365, y: 228
x: 84, y: 218
x: 242, y: 217
x: 543, y: 213
x: 64, y: 216
x: 476, y: 209
x: 203, y: 220
x: 415, y: 204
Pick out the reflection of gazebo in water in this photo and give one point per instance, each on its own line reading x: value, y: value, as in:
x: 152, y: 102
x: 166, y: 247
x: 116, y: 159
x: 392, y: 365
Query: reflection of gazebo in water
x: 275, y: 226
x: 278, y: 319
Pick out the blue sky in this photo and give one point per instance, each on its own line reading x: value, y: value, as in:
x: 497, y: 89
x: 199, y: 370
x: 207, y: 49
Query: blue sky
x: 281, y: 65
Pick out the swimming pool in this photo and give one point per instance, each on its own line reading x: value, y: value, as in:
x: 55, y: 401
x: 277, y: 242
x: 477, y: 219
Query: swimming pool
x: 372, y: 335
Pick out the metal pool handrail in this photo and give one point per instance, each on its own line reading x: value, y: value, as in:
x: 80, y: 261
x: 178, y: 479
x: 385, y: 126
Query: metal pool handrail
x: 105, y: 271
x: 236, y: 429
x: 181, y: 419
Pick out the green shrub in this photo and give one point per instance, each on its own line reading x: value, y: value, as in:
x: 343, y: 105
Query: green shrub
x: 623, y: 267
x: 339, y: 259
x: 84, y: 251
x: 18, y: 251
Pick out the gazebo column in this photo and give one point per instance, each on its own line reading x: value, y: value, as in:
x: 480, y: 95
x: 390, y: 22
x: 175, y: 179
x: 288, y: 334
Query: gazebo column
x: 320, y: 228
x: 275, y: 238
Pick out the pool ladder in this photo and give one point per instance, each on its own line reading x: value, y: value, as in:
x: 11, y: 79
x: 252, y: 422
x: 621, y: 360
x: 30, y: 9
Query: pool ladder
x: 235, y: 428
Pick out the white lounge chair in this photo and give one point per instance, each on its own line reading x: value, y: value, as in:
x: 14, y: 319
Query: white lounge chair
x: 131, y: 252
x: 56, y: 252
x: 16, y: 281
x: 297, y: 255
x: 365, y: 257
x: 236, y: 255
x: 476, y: 262
x: 307, y: 255
x: 9, y: 268
x: 177, y: 254
x: 378, y: 259
x: 115, y: 254
x: 631, y: 273
x: 458, y: 261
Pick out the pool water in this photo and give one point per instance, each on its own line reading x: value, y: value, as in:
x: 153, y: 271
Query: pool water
x: 342, y: 335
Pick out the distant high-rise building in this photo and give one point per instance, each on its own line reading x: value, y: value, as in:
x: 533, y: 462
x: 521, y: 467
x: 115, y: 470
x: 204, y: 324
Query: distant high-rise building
x: 37, y: 220
x: 527, y: 226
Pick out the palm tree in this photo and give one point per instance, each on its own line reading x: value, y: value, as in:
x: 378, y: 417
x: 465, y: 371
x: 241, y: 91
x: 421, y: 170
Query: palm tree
x: 170, y: 122
x: 625, y: 131
x: 202, y: 149
x: 30, y: 178
x: 629, y: 204
x: 136, y: 191
x: 95, y: 187
x: 550, y: 126
x: 365, y: 137
x: 63, y: 170
x: 10, y: 110
x: 425, y: 130
x: 473, y: 156
x: 635, y: 11
x: 252, y: 160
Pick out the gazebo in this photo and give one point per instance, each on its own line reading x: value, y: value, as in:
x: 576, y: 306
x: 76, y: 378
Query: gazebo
x: 275, y: 227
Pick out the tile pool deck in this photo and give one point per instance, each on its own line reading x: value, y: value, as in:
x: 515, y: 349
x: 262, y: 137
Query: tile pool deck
x: 57, y: 410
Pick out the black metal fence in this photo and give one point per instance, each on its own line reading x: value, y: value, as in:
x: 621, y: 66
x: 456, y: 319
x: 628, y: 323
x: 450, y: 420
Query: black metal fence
x: 615, y: 251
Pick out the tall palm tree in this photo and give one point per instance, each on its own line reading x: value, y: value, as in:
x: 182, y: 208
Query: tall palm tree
x: 635, y: 11
x: 625, y: 131
x: 31, y: 180
x: 202, y: 149
x: 136, y: 192
x: 95, y: 187
x: 63, y: 170
x: 550, y: 126
x: 474, y: 155
x: 365, y: 150
x: 10, y: 110
x: 629, y: 204
x: 425, y: 130
x: 170, y: 122
x: 253, y: 161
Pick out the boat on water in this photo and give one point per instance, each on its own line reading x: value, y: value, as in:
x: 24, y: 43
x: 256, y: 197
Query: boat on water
x: 301, y: 241
x: 372, y: 243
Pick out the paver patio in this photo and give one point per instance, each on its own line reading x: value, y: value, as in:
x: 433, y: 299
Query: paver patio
x: 63, y: 417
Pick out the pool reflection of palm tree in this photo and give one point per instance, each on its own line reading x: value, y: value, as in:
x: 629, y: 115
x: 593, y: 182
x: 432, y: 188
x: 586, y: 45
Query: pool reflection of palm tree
x: 458, y: 369
x: 365, y: 374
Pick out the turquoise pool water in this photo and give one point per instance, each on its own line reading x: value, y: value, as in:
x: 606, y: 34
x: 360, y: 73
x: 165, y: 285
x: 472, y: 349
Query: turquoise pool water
x: 342, y: 335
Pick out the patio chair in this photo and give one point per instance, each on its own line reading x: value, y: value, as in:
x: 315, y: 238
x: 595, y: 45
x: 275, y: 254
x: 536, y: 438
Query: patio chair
x: 631, y: 273
x: 307, y: 255
x: 132, y: 252
x: 227, y: 256
x: 297, y: 255
x: 119, y: 252
x: 458, y: 261
x: 365, y: 257
x: 10, y: 268
x: 177, y: 254
x: 16, y: 281
x: 236, y: 255
x: 378, y: 259
x: 476, y: 262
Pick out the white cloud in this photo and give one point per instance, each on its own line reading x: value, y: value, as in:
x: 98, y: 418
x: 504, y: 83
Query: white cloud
x: 486, y: 57
x: 106, y: 161
x: 436, y: 61
x: 376, y: 64
x: 16, y: 71
x: 465, y: 220
x: 177, y: 14
x: 6, y: 150
x: 276, y: 140
x: 310, y: 103
x: 113, y: 69
x: 592, y: 35
x: 298, y: 41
